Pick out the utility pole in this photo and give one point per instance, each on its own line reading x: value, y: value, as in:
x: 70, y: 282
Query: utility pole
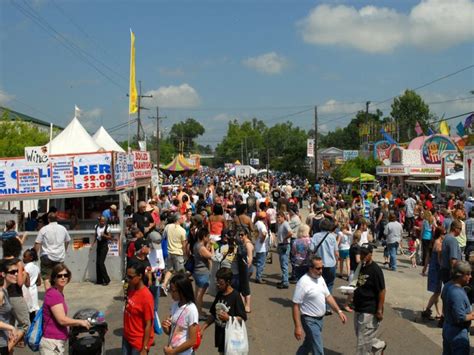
x: 316, y: 143
x: 242, y: 152
x: 139, y: 99
x: 367, y: 123
x: 158, y: 118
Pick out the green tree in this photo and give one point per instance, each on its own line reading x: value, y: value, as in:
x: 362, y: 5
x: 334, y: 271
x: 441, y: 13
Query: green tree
x: 16, y: 135
x: 365, y: 165
x: 167, y: 149
x: 407, y: 109
x: 186, y: 132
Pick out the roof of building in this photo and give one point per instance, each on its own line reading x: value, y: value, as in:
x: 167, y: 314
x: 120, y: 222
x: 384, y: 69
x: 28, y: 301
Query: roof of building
x: 14, y: 115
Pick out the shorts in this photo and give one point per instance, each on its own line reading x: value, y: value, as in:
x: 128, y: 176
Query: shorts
x: 47, y: 266
x: 175, y: 263
x: 343, y: 253
x: 201, y: 280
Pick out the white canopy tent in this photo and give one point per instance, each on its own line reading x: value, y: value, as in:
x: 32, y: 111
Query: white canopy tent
x: 74, y: 139
x: 456, y: 179
x: 105, y: 141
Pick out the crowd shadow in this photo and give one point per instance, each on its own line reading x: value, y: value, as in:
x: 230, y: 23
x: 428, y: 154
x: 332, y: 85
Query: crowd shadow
x: 115, y: 351
x: 415, y: 317
x: 285, y: 302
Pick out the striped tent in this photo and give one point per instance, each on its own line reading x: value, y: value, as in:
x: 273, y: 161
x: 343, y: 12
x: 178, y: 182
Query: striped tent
x: 178, y: 165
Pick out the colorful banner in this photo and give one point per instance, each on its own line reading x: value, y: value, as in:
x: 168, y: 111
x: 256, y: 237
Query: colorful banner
x: 132, y: 94
x: 382, y: 150
x: 84, y: 172
x: 142, y: 164
x: 434, y: 147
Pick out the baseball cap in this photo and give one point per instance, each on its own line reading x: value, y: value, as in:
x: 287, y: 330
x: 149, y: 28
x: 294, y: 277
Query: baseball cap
x: 367, y: 248
x: 140, y: 243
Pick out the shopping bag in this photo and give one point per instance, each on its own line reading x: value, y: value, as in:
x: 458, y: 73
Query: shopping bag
x: 156, y: 324
x: 236, y: 341
x: 35, y: 331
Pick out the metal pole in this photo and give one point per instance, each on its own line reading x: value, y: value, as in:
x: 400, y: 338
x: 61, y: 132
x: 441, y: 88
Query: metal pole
x: 158, y: 138
x: 316, y: 143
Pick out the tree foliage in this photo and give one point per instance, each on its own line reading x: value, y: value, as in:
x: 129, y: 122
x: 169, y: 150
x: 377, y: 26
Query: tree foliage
x: 407, y: 110
x: 186, y: 132
x: 365, y: 165
x: 16, y: 135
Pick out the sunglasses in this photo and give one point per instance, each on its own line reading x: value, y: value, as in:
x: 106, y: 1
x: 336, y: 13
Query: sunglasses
x: 316, y: 268
x: 62, y: 276
x: 130, y: 277
x: 13, y: 272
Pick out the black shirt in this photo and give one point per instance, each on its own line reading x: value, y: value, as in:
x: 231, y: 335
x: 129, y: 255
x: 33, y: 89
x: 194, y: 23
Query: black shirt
x: 353, y: 252
x: 143, y: 220
x: 146, y: 264
x: 235, y: 307
x: 369, y: 284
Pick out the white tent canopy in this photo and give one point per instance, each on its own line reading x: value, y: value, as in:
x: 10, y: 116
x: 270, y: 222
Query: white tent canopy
x: 74, y: 139
x: 105, y: 141
x: 456, y: 179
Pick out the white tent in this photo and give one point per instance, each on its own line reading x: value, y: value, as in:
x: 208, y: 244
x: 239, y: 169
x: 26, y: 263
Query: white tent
x: 74, y: 139
x: 456, y: 179
x: 105, y: 141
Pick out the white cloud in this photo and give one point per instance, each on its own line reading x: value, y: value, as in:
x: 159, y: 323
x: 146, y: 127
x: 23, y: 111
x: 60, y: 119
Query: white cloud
x: 171, y: 71
x: 221, y: 117
x: 431, y: 24
x: 5, y: 98
x: 268, y: 63
x: 182, y: 96
x: 335, y: 107
x: 450, y: 105
x: 91, y: 119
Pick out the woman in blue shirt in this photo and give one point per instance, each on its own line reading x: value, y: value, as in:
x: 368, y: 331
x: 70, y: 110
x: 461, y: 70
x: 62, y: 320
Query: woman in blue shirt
x: 426, y: 236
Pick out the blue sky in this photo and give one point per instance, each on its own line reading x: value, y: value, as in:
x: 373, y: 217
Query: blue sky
x: 220, y: 60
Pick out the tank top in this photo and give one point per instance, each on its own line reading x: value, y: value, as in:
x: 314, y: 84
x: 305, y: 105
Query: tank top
x: 216, y: 227
x: 5, y: 315
x: 200, y: 264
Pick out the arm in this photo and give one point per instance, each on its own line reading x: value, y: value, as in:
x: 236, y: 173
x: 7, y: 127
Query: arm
x: 37, y: 247
x: 332, y: 302
x: 146, y: 335
x: 63, y: 320
x: 209, y: 321
x: 189, y: 343
x: 249, y: 248
x: 297, y: 321
x: 379, y: 314
x: 205, y: 253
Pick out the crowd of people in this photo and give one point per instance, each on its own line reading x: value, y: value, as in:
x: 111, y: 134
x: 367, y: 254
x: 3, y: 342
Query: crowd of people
x: 215, y: 235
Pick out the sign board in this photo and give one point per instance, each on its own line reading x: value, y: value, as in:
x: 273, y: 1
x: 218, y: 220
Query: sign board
x: 350, y: 154
x: 435, y: 147
x: 426, y: 171
x: 66, y: 173
x: 37, y: 155
x: 142, y: 164
x: 381, y: 170
x: 310, y: 148
x: 397, y: 170
x: 242, y: 171
x: 123, y: 170
x: 254, y: 161
x: 469, y: 168
x: 382, y: 151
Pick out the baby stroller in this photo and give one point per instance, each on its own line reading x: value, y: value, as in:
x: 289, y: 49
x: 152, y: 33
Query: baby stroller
x: 92, y: 341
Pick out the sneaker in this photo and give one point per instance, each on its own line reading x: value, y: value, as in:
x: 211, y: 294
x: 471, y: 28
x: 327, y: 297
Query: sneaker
x: 164, y: 290
x: 263, y: 282
x: 426, y: 315
x: 282, y: 286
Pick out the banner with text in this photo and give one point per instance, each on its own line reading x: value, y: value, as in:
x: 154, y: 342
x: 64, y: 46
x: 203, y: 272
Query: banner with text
x: 142, y: 164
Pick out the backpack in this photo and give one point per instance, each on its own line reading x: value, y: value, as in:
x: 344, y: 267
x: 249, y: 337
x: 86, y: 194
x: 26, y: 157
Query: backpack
x: 35, y: 331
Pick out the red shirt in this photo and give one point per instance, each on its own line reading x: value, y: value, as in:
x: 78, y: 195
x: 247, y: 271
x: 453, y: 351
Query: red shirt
x: 429, y: 204
x: 138, y: 310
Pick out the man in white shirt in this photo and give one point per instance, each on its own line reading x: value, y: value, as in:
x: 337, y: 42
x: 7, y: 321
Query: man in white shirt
x: 309, y: 308
x: 53, y: 240
x: 410, y: 204
x: 261, y: 246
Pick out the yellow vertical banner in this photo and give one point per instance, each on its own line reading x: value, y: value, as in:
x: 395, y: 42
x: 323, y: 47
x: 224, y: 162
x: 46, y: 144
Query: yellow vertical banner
x: 444, y: 128
x: 132, y: 103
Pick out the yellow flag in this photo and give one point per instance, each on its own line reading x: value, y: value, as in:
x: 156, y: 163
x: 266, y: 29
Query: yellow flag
x: 132, y: 103
x: 444, y: 128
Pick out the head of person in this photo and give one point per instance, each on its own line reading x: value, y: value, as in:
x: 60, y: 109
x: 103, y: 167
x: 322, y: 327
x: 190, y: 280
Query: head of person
x: 142, y: 246
x: 30, y: 255
x: 223, y: 279
x: 218, y: 210
x: 456, y: 228
x: 113, y: 208
x: 60, y: 276
x: 136, y: 233
x: 241, y: 209
x: 366, y: 253
x: 327, y: 225
x: 10, y: 225
x: 261, y: 216
x: 303, y: 231
x: 203, y: 235
x: 142, y: 206
x: 356, y: 237
x: 9, y: 271
x: 281, y: 217
x: 11, y: 248
x: 428, y: 216
x: 462, y: 272
x: 316, y: 267
x: 363, y: 224
x: 392, y: 217
x: 102, y: 221
x: 135, y: 273
x: 181, y: 288
x: 52, y: 217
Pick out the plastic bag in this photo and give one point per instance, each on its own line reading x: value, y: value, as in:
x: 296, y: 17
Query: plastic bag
x: 236, y: 341
x: 156, y: 324
x: 35, y: 331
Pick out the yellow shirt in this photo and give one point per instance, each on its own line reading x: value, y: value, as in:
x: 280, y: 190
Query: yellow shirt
x: 176, y: 236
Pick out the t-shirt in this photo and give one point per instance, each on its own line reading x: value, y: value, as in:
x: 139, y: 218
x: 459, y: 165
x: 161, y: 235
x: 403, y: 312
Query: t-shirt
x: 410, y: 205
x: 9, y: 235
x: 456, y: 305
x: 310, y: 294
x: 234, y: 306
x: 283, y: 230
x: 393, y: 231
x: 344, y: 241
x: 300, y: 250
x: 143, y: 220
x: 369, y: 284
x: 328, y: 248
x: 353, y: 252
x: 450, y: 250
x: 144, y: 262
x: 427, y: 232
x: 52, y: 238
x: 181, y: 319
x: 51, y: 328
x: 31, y: 293
x: 176, y: 235
x: 138, y: 310
x: 261, y: 247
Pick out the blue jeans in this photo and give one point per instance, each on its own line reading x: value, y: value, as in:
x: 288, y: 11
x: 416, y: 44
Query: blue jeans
x: 455, y: 340
x: 313, y: 341
x: 392, y: 252
x: 127, y: 349
x: 284, y: 253
x: 259, y: 261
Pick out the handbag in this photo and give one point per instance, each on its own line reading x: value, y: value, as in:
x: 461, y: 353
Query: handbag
x: 35, y: 331
x: 236, y: 341
x: 157, y: 324
x: 189, y: 264
x: 198, y: 332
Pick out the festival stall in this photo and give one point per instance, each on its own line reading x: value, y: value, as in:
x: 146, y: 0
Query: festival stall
x: 179, y: 165
x: 81, y: 179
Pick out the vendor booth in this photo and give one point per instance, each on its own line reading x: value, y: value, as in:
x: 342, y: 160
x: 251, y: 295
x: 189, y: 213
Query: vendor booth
x: 179, y: 165
x: 81, y: 179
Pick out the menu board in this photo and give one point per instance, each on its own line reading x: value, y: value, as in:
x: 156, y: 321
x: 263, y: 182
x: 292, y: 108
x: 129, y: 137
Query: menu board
x: 123, y: 170
x: 28, y: 180
x: 142, y: 164
x: 62, y: 173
